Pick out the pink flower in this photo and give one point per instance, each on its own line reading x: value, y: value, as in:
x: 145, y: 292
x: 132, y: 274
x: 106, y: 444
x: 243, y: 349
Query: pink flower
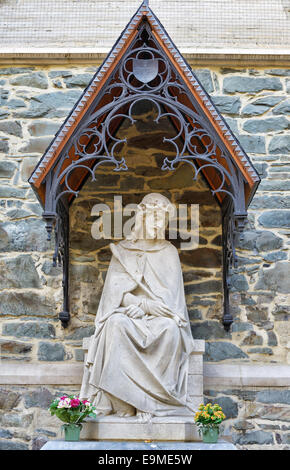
x: 66, y: 403
x: 63, y: 398
x: 75, y: 402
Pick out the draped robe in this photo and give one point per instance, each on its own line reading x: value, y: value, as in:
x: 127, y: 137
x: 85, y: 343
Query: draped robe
x: 140, y: 363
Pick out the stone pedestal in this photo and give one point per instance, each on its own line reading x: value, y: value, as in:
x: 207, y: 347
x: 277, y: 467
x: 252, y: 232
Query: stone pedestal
x: 114, y: 428
x: 171, y: 428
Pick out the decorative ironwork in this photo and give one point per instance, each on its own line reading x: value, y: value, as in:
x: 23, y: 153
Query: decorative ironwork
x: 144, y: 73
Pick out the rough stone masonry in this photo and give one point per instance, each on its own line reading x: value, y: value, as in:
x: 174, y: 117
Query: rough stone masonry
x: 34, y: 101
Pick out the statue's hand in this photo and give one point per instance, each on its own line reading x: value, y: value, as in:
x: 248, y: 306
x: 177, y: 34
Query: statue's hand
x: 155, y: 307
x: 133, y: 311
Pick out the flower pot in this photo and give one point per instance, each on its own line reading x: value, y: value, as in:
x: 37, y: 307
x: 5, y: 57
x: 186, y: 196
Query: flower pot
x: 72, y: 431
x: 210, y: 435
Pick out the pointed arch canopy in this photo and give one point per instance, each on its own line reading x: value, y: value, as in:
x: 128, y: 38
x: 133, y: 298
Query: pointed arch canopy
x: 144, y: 64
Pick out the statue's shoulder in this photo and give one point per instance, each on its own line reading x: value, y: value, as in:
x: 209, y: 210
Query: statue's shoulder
x: 115, y: 246
x: 171, y: 247
x: 118, y: 247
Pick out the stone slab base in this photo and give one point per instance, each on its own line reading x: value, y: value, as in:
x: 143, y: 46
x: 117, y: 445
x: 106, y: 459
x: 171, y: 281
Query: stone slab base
x: 149, y: 446
x: 169, y: 428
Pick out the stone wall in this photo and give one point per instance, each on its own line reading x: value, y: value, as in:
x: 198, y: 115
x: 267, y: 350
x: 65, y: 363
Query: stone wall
x: 34, y: 100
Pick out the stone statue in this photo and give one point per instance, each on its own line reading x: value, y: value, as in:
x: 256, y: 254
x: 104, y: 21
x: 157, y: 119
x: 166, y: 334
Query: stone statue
x: 138, y: 357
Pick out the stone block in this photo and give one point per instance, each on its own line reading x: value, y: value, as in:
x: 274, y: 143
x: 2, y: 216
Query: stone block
x: 209, y: 330
x: 3, y: 114
x: 7, y: 191
x: 203, y: 288
x: 258, y: 126
x: 4, y: 146
x: 38, y: 442
x: 59, y: 73
x: 274, y: 185
x: 54, y: 104
x: 205, y: 78
x: 81, y: 332
x: 34, y: 80
x: 203, y: 258
x: 260, y: 240
x: 11, y: 127
x: 15, y: 70
x: 36, y: 145
x: 169, y: 428
x: 261, y: 105
x: 38, y: 398
x: 24, y: 235
x: 13, y: 445
x: 257, y: 314
x: 51, y: 352
x: 79, y: 80
x: 195, y: 386
x: 282, y: 108
x: 253, y: 437
x: 43, y: 127
x: 15, y: 103
x: 274, y: 396
x: 227, y: 104
x: 5, y: 434
x: 275, y: 256
x: 8, y: 399
x: 29, y: 329
x: 277, y: 218
x: 238, y: 282
x: 18, y: 272
x: 253, y: 143
x: 7, y: 168
x: 280, y: 72
x: 180, y: 178
x: 280, y: 144
x: 26, y: 303
x: 252, y: 339
x: 84, y: 272
x: 221, y: 350
x: 250, y: 84
x: 16, y: 420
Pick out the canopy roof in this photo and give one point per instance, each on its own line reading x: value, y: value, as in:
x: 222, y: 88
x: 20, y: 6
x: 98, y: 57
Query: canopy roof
x: 144, y: 65
x: 108, y: 100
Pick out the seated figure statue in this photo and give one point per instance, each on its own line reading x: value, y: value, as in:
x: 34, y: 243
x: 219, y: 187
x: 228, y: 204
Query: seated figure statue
x: 138, y: 358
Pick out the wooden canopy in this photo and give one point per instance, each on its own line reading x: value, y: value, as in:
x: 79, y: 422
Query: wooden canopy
x: 144, y: 64
x: 96, y: 96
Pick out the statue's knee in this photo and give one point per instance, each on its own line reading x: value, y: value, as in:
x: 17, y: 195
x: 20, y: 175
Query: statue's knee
x: 117, y: 320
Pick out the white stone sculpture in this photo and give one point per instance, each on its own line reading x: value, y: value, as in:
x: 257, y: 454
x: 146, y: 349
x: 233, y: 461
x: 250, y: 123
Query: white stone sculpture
x: 138, y: 357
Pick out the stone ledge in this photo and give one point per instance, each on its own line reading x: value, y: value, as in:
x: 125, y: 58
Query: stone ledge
x: 51, y: 373
x: 242, y: 375
x: 51, y: 55
x: 151, y: 446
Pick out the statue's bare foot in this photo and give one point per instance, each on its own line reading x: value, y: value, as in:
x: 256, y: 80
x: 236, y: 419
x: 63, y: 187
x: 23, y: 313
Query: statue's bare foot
x: 143, y: 416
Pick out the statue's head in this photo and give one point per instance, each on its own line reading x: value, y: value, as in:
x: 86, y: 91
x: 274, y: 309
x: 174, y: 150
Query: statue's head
x: 152, y: 217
